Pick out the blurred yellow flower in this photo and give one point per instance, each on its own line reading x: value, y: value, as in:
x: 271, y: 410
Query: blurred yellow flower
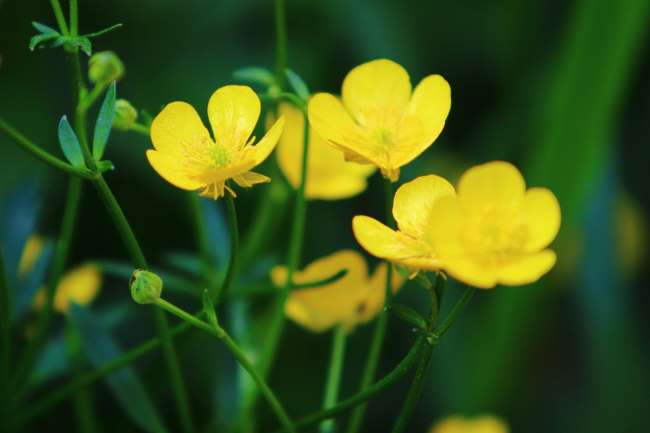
x: 412, y: 245
x: 187, y: 157
x: 494, y: 231
x: 352, y: 299
x: 482, y: 424
x: 31, y: 252
x: 379, y: 120
x: 80, y: 286
x: 329, y: 176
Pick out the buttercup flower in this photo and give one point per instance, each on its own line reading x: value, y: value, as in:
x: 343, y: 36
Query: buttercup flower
x: 80, y: 286
x: 412, y: 245
x: 187, y: 157
x: 378, y: 119
x: 329, y: 176
x: 482, y: 424
x: 352, y: 299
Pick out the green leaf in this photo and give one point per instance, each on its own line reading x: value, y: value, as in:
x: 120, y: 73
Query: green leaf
x: 70, y: 143
x: 409, y: 315
x: 104, y: 31
x: 100, y: 348
x: 104, y: 123
x: 255, y: 75
x: 46, y: 30
x: 38, y: 39
x: 85, y: 45
x: 297, y: 84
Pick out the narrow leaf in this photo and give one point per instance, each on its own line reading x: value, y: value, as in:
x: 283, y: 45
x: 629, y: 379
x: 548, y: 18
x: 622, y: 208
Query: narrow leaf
x: 297, y: 84
x: 46, y: 30
x: 85, y: 45
x: 104, y: 123
x: 70, y: 143
x: 125, y: 385
x: 38, y: 39
x: 103, y: 31
x: 255, y: 75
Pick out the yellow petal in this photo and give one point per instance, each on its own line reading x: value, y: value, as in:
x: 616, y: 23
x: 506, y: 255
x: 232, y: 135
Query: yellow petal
x: 266, y: 145
x: 329, y: 175
x: 527, y: 268
x: 541, y: 214
x: 494, y: 184
x: 177, y: 129
x: 250, y: 178
x: 332, y: 122
x: 171, y: 169
x: 31, y: 252
x: 80, y: 285
x: 430, y: 103
x: 472, y: 272
x: 233, y: 112
x: 414, y: 200
x: 375, y: 88
x: 446, y: 225
x: 321, y: 308
x: 382, y: 242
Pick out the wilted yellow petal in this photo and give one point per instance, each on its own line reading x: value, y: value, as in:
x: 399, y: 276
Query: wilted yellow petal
x: 233, y: 112
x: 385, y: 243
x: 526, y: 269
x: 171, y: 168
x: 414, y: 200
x: 375, y: 88
x: 178, y: 129
x: 490, y: 185
x: 541, y: 214
x: 80, y: 285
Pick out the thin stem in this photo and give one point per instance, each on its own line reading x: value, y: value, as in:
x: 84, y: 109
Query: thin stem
x: 74, y: 18
x: 60, y: 18
x: 455, y: 312
x: 281, y: 42
x: 234, y: 248
x: 396, y: 374
x: 356, y: 418
x: 80, y: 91
x: 334, y: 375
x: 5, y: 340
x: 41, y: 154
x: 30, y: 355
x: 216, y: 330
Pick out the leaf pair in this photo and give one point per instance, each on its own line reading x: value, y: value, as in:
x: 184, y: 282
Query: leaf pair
x: 70, y: 142
x: 50, y: 38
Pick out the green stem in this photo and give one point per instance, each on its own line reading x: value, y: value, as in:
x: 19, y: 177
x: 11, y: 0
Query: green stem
x: 5, y: 341
x: 370, y: 369
x: 396, y: 374
x: 216, y: 330
x: 415, y: 390
x: 137, y: 257
x: 234, y: 248
x: 334, y: 375
x: 74, y: 18
x: 60, y: 18
x: 41, y: 154
x: 281, y: 42
x: 35, y: 345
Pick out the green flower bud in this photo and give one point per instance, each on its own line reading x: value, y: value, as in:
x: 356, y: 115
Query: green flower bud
x: 146, y: 286
x: 104, y: 67
x: 125, y: 115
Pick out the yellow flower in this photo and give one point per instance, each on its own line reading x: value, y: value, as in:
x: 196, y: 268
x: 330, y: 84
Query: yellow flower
x: 482, y: 424
x: 329, y: 176
x: 352, y: 299
x: 412, y: 245
x: 492, y: 231
x: 80, y: 286
x: 495, y: 231
x: 187, y: 157
x: 379, y: 120
x: 31, y: 252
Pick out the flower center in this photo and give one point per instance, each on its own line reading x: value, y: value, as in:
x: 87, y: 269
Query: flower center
x: 496, y: 234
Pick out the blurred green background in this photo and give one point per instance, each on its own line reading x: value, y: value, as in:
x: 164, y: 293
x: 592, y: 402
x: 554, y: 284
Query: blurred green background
x: 560, y: 88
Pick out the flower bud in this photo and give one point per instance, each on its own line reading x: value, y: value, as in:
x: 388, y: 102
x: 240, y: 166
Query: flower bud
x: 104, y: 67
x: 146, y: 286
x: 125, y: 115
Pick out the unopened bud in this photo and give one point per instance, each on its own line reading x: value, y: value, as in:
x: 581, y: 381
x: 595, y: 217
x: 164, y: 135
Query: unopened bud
x: 104, y: 67
x: 146, y: 286
x: 125, y: 115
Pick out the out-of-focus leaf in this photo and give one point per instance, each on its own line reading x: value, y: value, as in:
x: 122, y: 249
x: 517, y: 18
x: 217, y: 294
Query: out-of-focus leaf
x: 255, y: 75
x: 36, y: 40
x: 104, y: 122
x: 298, y: 85
x: 171, y: 281
x: 27, y: 287
x: 125, y: 385
x: 183, y: 261
x: 46, y: 30
x: 70, y: 143
x: 217, y: 230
